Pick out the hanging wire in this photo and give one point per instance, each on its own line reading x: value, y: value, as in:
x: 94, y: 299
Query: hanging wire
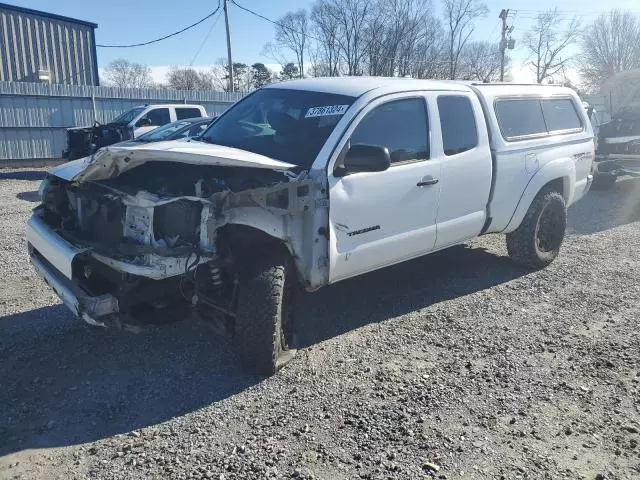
x: 164, y: 37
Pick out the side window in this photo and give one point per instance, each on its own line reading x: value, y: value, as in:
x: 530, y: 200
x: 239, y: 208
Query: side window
x: 187, y: 112
x: 519, y: 118
x: 458, y: 124
x: 560, y: 114
x: 156, y: 117
x: 399, y: 125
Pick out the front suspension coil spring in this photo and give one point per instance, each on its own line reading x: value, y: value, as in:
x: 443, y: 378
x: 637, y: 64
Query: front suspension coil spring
x: 216, y: 276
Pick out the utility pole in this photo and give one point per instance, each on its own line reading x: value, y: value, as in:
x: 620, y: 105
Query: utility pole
x: 503, y: 40
x: 226, y: 21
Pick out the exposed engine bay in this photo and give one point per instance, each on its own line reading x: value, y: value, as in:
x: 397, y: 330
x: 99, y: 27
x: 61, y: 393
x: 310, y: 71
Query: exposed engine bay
x: 83, y: 141
x: 164, y: 237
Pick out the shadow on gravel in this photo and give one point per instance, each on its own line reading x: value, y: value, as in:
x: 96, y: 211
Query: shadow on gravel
x: 63, y: 383
x: 399, y: 290
x: 602, y: 210
x: 23, y: 175
x: 32, y: 196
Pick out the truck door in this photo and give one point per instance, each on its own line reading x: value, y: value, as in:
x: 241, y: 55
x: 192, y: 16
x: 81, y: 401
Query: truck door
x: 381, y: 218
x: 466, y: 167
x: 153, y: 118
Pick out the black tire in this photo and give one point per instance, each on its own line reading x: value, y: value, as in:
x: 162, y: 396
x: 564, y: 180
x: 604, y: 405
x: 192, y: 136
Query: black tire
x: 537, y: 241
x: 603, y: 182
x: 264, y: 317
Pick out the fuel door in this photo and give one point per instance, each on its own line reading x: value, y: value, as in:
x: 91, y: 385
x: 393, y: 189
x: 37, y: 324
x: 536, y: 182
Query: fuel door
x: 532, y: 164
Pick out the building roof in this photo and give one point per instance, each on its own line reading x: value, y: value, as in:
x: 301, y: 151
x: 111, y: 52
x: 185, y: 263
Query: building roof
x: 4, y: 6
x: 357, y: 86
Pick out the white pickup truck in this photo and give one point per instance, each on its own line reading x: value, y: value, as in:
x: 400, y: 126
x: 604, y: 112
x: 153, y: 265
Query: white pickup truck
x: 303, y: 184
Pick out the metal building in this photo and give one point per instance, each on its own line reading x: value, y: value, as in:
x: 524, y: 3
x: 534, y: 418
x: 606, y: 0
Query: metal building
x: 42, y: 47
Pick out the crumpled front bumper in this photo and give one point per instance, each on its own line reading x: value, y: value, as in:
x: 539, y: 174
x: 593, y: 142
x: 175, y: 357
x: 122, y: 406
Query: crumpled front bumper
x: 52, y: 257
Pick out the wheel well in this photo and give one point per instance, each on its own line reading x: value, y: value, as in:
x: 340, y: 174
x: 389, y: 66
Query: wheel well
x: 246, y: 243
x: 556, y: 185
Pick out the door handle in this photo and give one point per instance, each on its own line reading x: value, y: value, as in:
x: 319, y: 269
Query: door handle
x: 426, y: 181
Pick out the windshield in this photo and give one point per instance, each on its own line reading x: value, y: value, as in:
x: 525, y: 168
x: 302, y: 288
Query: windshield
x: 287, y: 125
x: 163, y: 132
x: 128, y: 116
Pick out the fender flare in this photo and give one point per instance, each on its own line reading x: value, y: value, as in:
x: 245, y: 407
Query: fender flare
x: 561, y: 168
x: 260, y: 219
x: 277, y: 227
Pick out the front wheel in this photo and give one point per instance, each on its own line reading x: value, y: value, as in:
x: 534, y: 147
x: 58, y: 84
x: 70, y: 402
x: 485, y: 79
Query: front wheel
x: 537, y: 241
x: 264, y: 317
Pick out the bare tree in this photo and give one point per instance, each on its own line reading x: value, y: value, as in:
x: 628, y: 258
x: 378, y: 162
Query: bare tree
x: 480, y: 61
x: 292, y: 32
x: 325, y: 27
x: 352, y: 17
x: 459, y: 20
x: 546, y: 42
x: 429, y: 56
x: 189, y: 79
x: 125, y: 74
x: 274, y: 52
x: 611, y: 44
x: 395, y: 29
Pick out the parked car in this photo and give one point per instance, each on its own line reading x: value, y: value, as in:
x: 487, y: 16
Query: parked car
x: 351, y: 175
x: 618, y: 151
x: 83, y: 141
x: 187, y: 128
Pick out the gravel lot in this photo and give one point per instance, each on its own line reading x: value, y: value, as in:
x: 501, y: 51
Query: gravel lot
x: 457, y: 365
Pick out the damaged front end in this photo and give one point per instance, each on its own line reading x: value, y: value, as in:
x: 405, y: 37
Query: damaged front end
x: 84, y: 141
x: 618, y: 152
x: 133, y: 236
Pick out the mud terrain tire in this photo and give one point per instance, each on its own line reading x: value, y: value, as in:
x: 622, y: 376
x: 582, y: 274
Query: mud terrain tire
x: 537, y: 241
x: 264, y: 317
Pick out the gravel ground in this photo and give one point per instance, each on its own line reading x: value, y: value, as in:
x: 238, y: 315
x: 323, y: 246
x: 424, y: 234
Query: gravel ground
x: 456, y: 365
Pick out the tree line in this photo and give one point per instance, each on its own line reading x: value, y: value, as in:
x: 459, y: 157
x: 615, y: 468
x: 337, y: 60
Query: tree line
x: 124, y: 74
x: 406, y: 38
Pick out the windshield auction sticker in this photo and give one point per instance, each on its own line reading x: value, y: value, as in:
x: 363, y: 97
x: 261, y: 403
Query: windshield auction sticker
x: 326, y: 111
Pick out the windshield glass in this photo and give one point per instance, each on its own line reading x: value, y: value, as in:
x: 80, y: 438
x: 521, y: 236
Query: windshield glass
x: 163, y: 132
x: 128, y: 116
x: 287, y: 125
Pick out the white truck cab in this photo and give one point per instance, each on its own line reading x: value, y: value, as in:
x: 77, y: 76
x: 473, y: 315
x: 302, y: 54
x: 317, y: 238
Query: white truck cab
x: 145, y: 118
x: 306, y: 183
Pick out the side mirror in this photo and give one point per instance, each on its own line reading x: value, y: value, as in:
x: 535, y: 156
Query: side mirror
x: 143, y: 122
x: 365, y: 158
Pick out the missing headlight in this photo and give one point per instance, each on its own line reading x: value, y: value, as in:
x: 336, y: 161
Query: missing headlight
x: 178, y: 219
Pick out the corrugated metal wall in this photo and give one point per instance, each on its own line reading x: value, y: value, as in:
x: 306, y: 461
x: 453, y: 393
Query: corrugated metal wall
x: 34, y: 117
x: 30, y: 42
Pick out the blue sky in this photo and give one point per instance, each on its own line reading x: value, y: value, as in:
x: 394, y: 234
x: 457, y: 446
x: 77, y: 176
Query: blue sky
x: 132, y: 21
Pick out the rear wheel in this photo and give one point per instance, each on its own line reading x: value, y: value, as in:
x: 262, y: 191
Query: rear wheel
x: 264, y: 317
x: 537, y: 241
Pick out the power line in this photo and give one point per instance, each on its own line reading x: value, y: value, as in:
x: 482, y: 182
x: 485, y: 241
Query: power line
x: 166, y: 36
x: 205, y: 40
x: 271, y: 21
